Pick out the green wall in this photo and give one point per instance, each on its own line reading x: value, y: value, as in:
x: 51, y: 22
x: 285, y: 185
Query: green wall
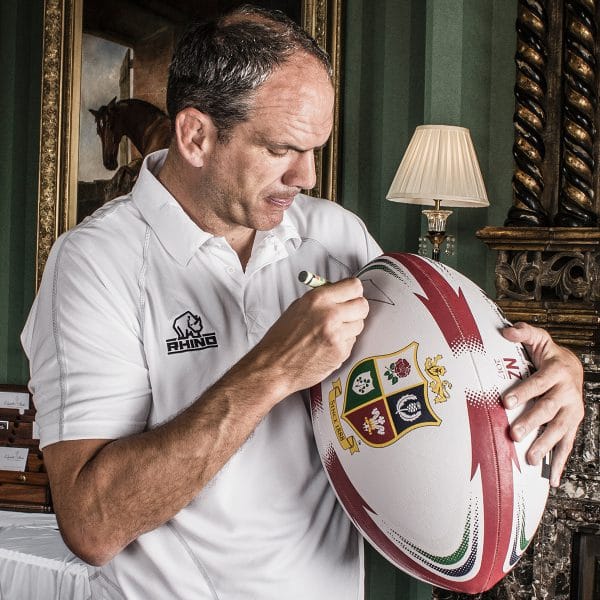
x: 382, y: 103
x: 434, y: 61
x: 406, y: 63
x: 20, y: 60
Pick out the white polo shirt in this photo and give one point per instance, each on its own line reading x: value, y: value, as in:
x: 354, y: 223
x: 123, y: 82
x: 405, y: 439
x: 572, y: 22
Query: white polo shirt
x: 138, y: 313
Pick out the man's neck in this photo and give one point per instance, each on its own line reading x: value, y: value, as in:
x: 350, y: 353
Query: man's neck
x: 240, y: 239
x: 242, y: 245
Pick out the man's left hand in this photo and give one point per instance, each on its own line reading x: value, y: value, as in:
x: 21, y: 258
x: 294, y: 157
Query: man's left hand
x: 557, y: 387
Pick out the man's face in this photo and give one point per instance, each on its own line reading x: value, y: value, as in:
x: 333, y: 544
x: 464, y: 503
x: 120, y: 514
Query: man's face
x: 251, y: 179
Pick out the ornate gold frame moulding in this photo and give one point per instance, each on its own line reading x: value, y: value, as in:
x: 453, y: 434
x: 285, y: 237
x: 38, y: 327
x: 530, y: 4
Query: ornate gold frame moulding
x: 61, y: 78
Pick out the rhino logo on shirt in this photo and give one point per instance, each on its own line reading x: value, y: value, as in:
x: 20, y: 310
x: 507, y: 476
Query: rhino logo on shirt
x: 187, y: 325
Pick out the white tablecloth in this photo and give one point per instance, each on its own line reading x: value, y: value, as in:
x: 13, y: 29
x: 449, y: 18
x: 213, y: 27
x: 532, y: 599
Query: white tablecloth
x: 35, y: 564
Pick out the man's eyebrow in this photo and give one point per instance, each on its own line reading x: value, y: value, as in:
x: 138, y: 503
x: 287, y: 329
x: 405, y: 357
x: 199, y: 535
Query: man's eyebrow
x: 291, y: 146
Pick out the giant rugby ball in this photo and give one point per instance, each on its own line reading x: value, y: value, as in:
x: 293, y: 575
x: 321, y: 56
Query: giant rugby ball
x: 413, y: 435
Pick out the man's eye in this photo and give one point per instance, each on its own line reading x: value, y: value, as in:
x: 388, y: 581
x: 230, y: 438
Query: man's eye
x: 279, y: 151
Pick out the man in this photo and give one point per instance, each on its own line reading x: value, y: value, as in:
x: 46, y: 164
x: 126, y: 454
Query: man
x: 171, y: 338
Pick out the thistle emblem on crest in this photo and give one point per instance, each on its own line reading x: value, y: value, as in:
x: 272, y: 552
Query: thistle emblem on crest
x: 408, y: 408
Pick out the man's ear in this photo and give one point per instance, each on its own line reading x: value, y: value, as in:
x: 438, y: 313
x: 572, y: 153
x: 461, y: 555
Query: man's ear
x: 195, y: 134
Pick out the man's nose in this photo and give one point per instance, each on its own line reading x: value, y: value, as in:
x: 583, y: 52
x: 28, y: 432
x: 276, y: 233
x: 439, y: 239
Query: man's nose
x: 301, y: 173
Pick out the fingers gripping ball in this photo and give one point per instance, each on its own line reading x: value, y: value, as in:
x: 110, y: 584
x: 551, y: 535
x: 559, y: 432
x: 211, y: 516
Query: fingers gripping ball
x: 413, y: 435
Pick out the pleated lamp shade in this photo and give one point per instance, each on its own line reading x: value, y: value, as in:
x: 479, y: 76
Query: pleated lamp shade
x: 439, y: 164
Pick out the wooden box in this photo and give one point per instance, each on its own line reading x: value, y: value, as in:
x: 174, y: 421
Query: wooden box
x: 26, y: 490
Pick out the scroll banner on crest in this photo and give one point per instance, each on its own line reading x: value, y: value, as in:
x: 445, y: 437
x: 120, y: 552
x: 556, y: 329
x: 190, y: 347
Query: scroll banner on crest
x: 347, y: 443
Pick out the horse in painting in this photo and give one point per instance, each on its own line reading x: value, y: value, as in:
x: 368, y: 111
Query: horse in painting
x: 147, y: 127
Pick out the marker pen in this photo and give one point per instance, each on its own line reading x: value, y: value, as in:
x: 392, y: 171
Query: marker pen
x: 311, y: 280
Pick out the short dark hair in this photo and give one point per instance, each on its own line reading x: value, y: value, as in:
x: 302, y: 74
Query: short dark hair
x: 218, y: 65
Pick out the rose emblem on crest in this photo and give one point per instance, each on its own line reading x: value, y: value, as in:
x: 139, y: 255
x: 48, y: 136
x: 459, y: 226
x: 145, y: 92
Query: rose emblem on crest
x: 397, y: 370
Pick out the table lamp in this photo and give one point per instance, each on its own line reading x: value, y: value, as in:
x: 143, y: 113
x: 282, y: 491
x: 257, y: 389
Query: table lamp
x: 439, y: 167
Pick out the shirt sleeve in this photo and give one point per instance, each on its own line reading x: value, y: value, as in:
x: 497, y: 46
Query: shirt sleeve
x: 83, y: 338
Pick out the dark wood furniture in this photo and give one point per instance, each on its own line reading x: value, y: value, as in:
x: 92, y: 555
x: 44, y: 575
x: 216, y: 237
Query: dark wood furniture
x: 23, y: 490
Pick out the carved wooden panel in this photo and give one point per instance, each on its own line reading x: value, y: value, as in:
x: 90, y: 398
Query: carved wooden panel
x: 556, y: 114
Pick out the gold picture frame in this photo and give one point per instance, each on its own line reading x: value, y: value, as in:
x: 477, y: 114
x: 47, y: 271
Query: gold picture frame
x: 59, y: 136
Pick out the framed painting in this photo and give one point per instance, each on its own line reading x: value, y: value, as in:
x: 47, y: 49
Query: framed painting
x: 100, y: 53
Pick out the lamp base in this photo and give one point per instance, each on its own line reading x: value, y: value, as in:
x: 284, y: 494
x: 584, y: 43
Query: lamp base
x: 448, y: 248
x: 437, y: 239
x: 436, y: 227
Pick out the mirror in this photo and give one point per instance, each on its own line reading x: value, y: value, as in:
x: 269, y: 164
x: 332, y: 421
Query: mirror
x: 97, y: 50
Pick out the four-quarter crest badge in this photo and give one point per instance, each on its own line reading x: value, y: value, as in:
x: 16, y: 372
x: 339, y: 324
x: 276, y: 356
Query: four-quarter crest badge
x: 388, y: 396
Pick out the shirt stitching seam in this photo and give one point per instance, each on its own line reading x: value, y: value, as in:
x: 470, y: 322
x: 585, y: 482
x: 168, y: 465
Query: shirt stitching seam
x: 101, y: 575
x: 104, y: 211
x: 59, y: 348
x: 194, y: 558
x: 142, y: 278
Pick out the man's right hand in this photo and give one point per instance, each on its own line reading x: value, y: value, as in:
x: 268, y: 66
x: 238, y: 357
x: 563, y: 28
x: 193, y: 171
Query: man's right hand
x: 314, y: 336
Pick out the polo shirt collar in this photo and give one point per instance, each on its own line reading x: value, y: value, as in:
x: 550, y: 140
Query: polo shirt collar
x: 286, y: 230
x: 180, y: 236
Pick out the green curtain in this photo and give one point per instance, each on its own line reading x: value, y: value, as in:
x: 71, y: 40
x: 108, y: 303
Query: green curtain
x: 21, y: 24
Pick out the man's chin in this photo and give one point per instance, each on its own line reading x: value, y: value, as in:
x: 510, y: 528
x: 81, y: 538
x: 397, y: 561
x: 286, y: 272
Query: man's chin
x: 270, y: 220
